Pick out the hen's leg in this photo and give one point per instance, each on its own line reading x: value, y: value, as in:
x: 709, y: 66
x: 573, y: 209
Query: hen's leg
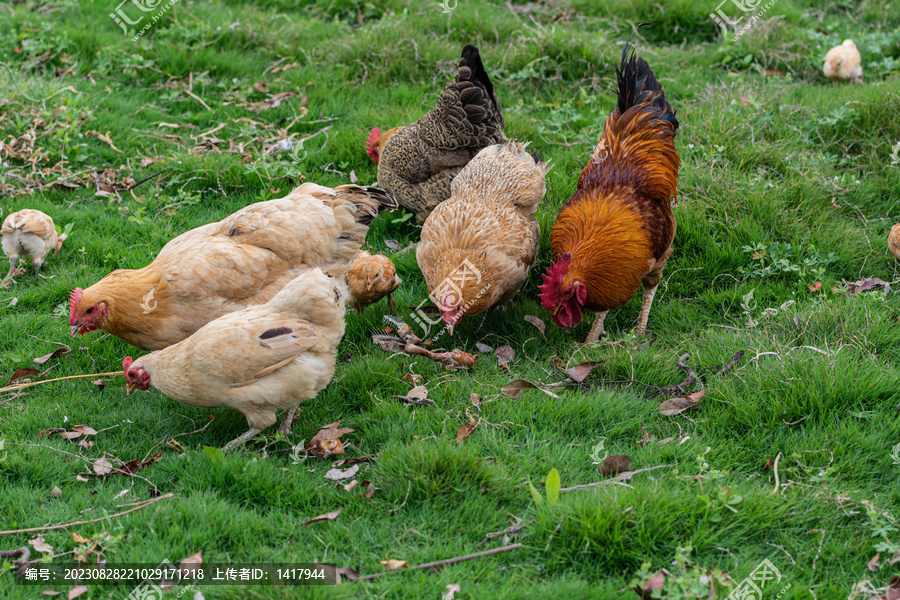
x: 13, y: 261
x: 392, y: 306
x: 285, y: 426
x: 651, y: 283
x: 597, y: 330
x: 240, y: 439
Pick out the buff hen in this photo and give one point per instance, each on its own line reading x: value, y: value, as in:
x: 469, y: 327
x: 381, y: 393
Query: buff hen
x: 478, y: 246
x: 257, y: 360
x: 240, y: 261
x: 844, y: 63
x: 370, y: 278
x: 32, y: 234
x: 418, y: 162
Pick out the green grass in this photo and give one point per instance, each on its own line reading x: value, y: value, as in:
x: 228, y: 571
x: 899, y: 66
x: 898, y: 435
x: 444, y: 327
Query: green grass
x: 778, y: 163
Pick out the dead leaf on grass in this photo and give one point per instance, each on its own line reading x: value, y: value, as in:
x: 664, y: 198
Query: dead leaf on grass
x: 541, y: 326
x: 85, y: 429
x: 418, y: 396
x: 80, y: 539
x: 505, y: 355
x: 483, y: 348
x: 450, y: 590
x: 578, y: 373
x: 874, y: 563
x: 339, y: 474
x: 190, y: 565
x: 102, y: 466
x: 654, y: 584
x: 676, y: 406
x: 413, y: 379
x: 22, y: 373
x: 864, y: 285
x: 615, y: 464
x: 55, y: 354
x: 349, y: 487
x: 76, y: 591
x: 40, y: 545
x: 370, y: 489
x: 393, y: 564
x: 515, y: 388
x: 466, y: 430
x: 327, y: 440
x: 133, y: 466
x: 104, y: 138
x: 329, y: 516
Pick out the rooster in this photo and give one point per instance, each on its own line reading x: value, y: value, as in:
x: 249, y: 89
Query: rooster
x: 29, y: 233
x: 477, y: 247
x: 240, y: 261
x: 616, y: 231
x: 257, y: 360
x: 418, y: 162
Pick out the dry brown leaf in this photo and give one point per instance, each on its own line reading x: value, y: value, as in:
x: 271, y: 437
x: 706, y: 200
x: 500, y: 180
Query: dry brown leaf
x: 146, y: 162
x: 22, y: 373
x: 505, y: 355
x: 325, y: 448
x: 466, y: 430
x: 475, y: 399
x: 515, y: 388
x: 50, y: 593
x: 133, y: 466
x: 175, y: 445
x: 418, y: 396
x: 40, y: 545
x: 483, y: 347
x: 55, y: 354
x: 370, y: 489
x: 331, y: 431
x: 413, y: 379
x: 329, y: 516
x: 76, y: 591
x: 81, y: 479
x: 85, y: 429
x: 353, y: 461
x: 349, y: 487
x: 70, y: 435
x: 654, y: 584
x: 102, y: 466
x: 99, y: 383
x: 864, y: 285
x: 676, y: 406
x: 80, y: 539
x: 261, y: 86
x: 579, y: 372
x: 541, y: 326
x: 449, y: 591
x: 339, y: 474
x: 104, y: 138
x: 86, y: 444
x: 56, y: 492
x: 615, y: 464
x: 395, y: 564
x: 189, y: 566
x: 874, y: 563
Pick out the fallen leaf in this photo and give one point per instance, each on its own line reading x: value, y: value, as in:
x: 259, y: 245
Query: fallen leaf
x: 676, y: 406
x: 81, y: 479
x: 86, y: 444
x: 338, y: 474
x: 80, y: 539
x: 331, y: 431
x: 103, y: 138
x: 874, y: 563
x: 40, y: 545
x: 413, y: 379
x: 325, y: 448
x: 475, y: 399
x: 418, y: 396
x: 77, y: 591
x: 646, y: 438
x: 349, y: 487
x: 55, y: 354
x: 329, y: 516
x: 353, y: 177
x: 70, y: 435
x: 133, y: 466
x: 483, y: 348
x: 56, y: 492
x: 99, y: 383
x: 261, y: 86
x: 392, y: 245
x: 505, y: 355
x: 353, y: 461
x: 102, y: 466
x: 146, y: 162
x: 466, y: 430
x: 22, y: 373
x: 515, y: 388
x: 816, y: 286
x: 51, y: 593
x: 615, y: 464
x: 542, y: 327
x: 175, y: 445
x: 395, y: 564
x: 85, y: 429
x: 579, y: 372
x: 448, y: 592
x: 864, y: 285
x: 189, y: 566
x: 654, y: 584
x: 370, y: 489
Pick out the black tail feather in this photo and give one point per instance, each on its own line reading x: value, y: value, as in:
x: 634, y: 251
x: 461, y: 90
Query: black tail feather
x: 638, y: 85
x: 472, y: 59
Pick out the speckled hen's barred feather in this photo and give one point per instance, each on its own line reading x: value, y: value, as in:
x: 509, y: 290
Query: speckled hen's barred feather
x: 419, y: 161
x: 619, y: 224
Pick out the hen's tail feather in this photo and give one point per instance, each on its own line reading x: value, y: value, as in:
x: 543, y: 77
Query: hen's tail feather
x: 369, y: 201
x: 472, y: 59
x: 638, y: 85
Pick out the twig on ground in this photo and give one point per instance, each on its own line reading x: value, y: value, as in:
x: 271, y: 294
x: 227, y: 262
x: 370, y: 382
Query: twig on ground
x: 447, y: 561
x: 624, y: 476
x: 509, y: 530
x: 134, y: 185
x: 775, y: 468
x: 78, y: 523
x: 22, y: 386
x: 783, y: 550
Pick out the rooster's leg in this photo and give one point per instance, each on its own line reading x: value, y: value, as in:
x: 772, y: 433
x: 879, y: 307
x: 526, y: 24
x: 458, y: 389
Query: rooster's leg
x: 597, y: 330
x: 240, y: 439
x: 285, y: 426
x: 650, y: 282
x: 645, y: 310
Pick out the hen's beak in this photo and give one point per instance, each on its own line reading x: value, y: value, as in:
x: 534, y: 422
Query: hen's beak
x: 129, y: 387
x: 556, y: 310
x: 74, y: 329
x: 369, y: 283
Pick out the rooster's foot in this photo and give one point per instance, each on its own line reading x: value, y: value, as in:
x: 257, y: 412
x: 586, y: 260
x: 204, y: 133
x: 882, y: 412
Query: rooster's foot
x: 240, y: 439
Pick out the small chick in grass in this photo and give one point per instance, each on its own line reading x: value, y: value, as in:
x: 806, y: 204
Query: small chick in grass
x: 844, y: 62
x: 29, y: 233
x: 894, y: 241
x: 257, y: 360
x: 370, y: 278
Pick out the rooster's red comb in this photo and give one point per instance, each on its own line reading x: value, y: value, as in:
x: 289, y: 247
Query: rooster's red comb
x: 370, y: 144
x: 552, y: 279
x: 74, y: 298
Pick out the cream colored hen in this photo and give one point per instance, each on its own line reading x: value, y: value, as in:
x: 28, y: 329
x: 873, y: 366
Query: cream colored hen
x: 370, y: 278
x: 29, y: 233
x: 478, y: 246
x: 257, y: 360
x: 844, y: 62
x: 242, y: 260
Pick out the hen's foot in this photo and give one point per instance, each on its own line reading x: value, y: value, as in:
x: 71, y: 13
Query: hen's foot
x: 285, y: 426
x: 240, y: 439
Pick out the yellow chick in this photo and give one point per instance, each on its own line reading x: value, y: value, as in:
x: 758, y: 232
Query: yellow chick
x: 844, y: 62
x: 29, y: 233
x: 370, y: 278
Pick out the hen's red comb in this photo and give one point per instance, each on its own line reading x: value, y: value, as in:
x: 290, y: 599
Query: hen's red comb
x: 127, y: 363
x: 74, y: 298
